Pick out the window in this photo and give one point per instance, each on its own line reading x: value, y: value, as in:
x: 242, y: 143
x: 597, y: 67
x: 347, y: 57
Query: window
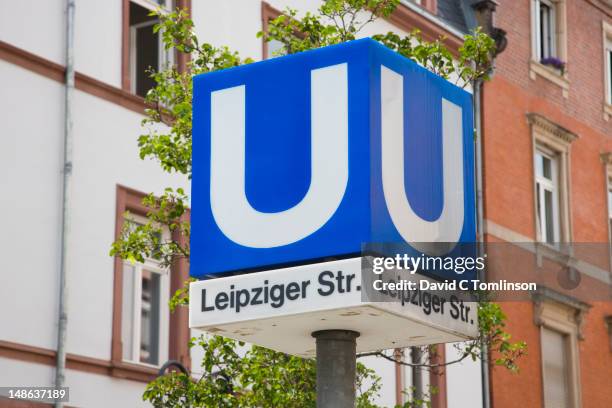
x: 146, y: 49
x: 546, y: 29
x: 272, y: 48
x: 141, y: 318
x: 429, y: 5
x: 608, y: 69
x: 547, y: 196
x: 275, y: 49
x: 560, y: 319
x: 549, y: 42
x: 554, y: 366
x: 143, y: 48
x: 551, y: 179
x: 610, y: 205
x: 145, y: 310
x: 606, y: 159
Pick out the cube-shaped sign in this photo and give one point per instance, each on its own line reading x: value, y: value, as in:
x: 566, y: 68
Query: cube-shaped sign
x: 312, y: 156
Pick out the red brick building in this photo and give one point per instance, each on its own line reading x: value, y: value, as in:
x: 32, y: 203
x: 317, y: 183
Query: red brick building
x: 547, y: 138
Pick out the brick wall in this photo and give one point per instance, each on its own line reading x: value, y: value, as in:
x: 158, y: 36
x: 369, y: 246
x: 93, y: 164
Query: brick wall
x: 584, y: 60
x: 508, y: 177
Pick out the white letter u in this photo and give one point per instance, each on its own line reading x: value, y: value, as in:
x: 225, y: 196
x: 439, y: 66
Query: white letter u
x: 234, y: 215
x: 420, y: 233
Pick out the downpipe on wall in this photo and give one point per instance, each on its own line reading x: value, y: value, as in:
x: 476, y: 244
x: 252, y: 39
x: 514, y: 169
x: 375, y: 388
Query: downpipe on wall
x: 486, y: 396
x: 62, y: 323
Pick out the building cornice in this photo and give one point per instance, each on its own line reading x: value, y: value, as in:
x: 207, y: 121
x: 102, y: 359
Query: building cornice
x: 550, y: 127
x: 40, y: 355
x: 428, y: 15
x: 605, y: 6
x: 578, y: 308
x: 56, y: 72
x: 408, y: 16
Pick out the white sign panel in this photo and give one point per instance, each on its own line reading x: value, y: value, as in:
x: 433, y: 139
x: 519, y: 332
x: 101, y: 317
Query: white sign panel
x: 279, y: 309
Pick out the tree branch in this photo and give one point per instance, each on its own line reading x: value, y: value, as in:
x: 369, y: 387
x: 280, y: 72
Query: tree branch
x: 421, y: 365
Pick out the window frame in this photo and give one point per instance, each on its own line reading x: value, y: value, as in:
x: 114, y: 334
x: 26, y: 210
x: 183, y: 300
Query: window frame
x: 150, y: 265
x: 606, y: 159
x: 267, y: 13
x: 608, y: 66
x: 565, y: 315
x: 127, y: 70
x: 609, y: 200
x: 543, y: 184
x: 558, y: 45
x: 152, y: 5
x: 554, y: 139
x: 607, y: 69
x: 270, y: 13
x: 429, y: 5
x: 552, y: 31
x: 128, y: 199
x: 133, y: 30
x: 566, y: 344
x: 164, y: 57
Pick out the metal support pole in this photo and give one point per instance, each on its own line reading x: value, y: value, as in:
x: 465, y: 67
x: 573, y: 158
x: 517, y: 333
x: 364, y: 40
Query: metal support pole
x: 336, y: 364
x: 417, y: 373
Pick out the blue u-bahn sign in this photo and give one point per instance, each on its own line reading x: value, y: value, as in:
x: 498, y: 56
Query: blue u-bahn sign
x: 313, y: 155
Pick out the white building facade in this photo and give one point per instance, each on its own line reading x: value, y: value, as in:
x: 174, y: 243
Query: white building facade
x: 119, y: 329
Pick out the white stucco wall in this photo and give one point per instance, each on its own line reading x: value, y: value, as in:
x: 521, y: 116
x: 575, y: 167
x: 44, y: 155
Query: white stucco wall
x: 36, y: 26
x: 30, y: 157
x: 98, y: 40
x: 386, y: 371
x: 106, y: 154
x: 86, y: 389
x: 463, y: 381
x: 235, y: 23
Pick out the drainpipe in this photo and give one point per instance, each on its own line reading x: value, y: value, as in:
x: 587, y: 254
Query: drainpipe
x: 486, y: 396
x: 417, y: 373
x: 62, y: 323
x: 485, y: 18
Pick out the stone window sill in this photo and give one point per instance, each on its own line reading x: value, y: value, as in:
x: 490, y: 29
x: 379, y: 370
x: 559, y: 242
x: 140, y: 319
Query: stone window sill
x: 550, y: 74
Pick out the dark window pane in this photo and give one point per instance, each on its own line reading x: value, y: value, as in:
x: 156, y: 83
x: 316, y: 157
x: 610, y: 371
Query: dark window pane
x: 610, y: 73
x: 538, y: 207
x: 150, y: 318
x: 546, y: 36
x: 139, y: 14
x: 144, y: 48
x: 549, y: 221
x: 547, y: 167
x: 147, y: 58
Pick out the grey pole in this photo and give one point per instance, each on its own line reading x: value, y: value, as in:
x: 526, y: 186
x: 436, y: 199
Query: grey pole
x: 417, y: 373
x: 336, y: 362
x: 62, y: 323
